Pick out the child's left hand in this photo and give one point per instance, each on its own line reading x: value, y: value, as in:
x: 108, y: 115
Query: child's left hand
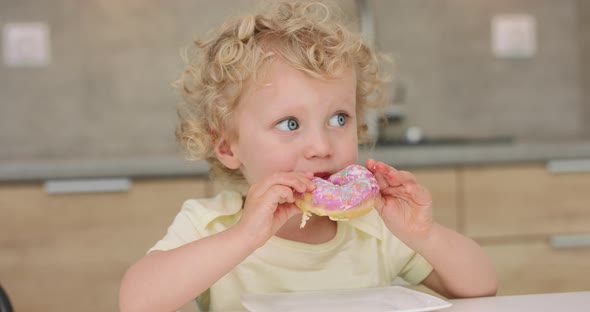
x: 404, y: 205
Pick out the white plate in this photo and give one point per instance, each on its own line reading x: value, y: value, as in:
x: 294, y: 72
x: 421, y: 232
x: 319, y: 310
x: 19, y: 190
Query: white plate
x: 385, y: 299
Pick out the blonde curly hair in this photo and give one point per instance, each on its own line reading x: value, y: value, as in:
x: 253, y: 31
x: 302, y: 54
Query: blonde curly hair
x: 306, y: 35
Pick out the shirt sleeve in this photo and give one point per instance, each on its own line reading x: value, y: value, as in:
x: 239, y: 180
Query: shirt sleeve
x: 180, y: 232
x: 416, y: 270
x: 199, y: 218
x: 406, y: 263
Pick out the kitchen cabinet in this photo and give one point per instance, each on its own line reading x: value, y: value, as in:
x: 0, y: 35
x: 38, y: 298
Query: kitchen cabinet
x: 442, y: 184
x: 516, y: 212
x: 534, y: 266
x: 524, y: 200
x: 69, y: 252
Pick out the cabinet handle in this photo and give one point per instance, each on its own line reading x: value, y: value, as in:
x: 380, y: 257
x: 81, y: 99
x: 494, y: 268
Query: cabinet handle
x: 557, y: 166
x: 570, y: 240
x: 72, y: 186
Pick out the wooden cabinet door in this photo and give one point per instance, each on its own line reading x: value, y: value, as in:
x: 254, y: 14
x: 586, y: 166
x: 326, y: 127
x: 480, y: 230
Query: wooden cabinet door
x: 529, y: 267
x: 442, y: 184
x: 524, y: 200
x: 69, y: 252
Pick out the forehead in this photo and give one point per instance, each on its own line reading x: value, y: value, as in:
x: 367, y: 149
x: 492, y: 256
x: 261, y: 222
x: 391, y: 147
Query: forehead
x: 279, y: 81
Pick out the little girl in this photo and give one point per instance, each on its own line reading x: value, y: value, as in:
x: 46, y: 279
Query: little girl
x: 273, y: 100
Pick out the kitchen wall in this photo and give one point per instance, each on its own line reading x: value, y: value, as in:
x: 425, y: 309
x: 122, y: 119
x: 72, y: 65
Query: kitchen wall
x: 455, y: 84
x: 106, y: 92
x: 583, y: 17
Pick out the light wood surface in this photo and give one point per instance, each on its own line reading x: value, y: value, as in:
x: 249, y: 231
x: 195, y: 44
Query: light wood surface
x: 442, y: 184
x: 525, y: 200
x: 536, y: 267
x: 514, y: 211
x: 69, y: 252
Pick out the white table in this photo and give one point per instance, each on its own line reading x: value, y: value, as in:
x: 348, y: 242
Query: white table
x: 551, y: 302
x: 570, y: 302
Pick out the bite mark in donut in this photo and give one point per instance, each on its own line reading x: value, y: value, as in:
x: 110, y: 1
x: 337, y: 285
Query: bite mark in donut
x: 344, y: 195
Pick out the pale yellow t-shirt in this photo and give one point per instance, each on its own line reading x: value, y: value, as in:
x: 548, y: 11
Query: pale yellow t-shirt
x: 362, y: 254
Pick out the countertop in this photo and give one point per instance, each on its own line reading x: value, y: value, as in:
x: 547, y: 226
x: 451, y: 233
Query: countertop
x: 571, y: 155
x: 415, y: 156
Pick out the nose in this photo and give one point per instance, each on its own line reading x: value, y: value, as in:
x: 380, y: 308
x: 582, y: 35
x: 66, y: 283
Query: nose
x: 318, y: 145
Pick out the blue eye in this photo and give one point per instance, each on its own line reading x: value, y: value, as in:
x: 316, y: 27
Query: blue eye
x: 338, y: 120
x: 289, y: 124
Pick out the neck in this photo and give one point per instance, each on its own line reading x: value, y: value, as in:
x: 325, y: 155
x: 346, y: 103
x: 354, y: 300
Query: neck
x: 316, y: 231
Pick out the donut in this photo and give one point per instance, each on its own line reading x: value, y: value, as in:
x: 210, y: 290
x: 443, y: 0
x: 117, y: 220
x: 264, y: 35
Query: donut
x: 345, y: 195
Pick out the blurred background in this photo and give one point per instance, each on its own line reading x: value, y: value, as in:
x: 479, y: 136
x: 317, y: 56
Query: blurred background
x: 488, y: 108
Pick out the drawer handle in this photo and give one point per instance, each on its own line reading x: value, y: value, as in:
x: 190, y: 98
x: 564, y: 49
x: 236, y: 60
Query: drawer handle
x: 558, y: 166
x: 73, y: 186
x: 570, y: 240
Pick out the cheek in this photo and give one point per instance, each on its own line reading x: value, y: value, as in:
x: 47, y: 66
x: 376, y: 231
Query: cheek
x: 263, y: 158
x: 348, y: 148
x: 279, y: 158
x: 351, y: 154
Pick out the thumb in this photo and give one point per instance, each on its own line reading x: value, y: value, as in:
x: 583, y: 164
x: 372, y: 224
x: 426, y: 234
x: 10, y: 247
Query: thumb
x: 379, y: 203
x: 285, y: 212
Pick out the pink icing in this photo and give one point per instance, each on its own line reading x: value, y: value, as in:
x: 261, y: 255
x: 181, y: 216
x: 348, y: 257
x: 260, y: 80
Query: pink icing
x: 344, y: 189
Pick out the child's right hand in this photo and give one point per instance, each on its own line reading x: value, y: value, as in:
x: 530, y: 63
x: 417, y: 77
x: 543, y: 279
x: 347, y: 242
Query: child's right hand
x: 270, y: 203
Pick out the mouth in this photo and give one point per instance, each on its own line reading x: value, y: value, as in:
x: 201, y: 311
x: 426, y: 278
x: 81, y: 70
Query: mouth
x: 322, y: 175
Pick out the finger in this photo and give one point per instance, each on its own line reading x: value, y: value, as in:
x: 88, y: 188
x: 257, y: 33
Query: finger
x: 411, y: 193
x: 381, y: 181
x: 405, y: 177
x: 399, y: 177
x: 296, y: 180
x: 384, y: 168
x: 274, y: 196
x: 399, y: 192
x: 280, y: 194
x: 287, y: 211
x: 379, y: 203
x: 370, y: 164
x: 283, y: 213
x: 379, y: 166
x: 307, y: 179
x: 390, y: 175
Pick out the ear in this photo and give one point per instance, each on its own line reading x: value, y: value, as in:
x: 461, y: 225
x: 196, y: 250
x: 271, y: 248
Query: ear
x: 226, y: 155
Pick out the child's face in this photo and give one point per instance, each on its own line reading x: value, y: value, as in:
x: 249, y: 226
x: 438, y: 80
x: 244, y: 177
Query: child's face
x: 295, y: 122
